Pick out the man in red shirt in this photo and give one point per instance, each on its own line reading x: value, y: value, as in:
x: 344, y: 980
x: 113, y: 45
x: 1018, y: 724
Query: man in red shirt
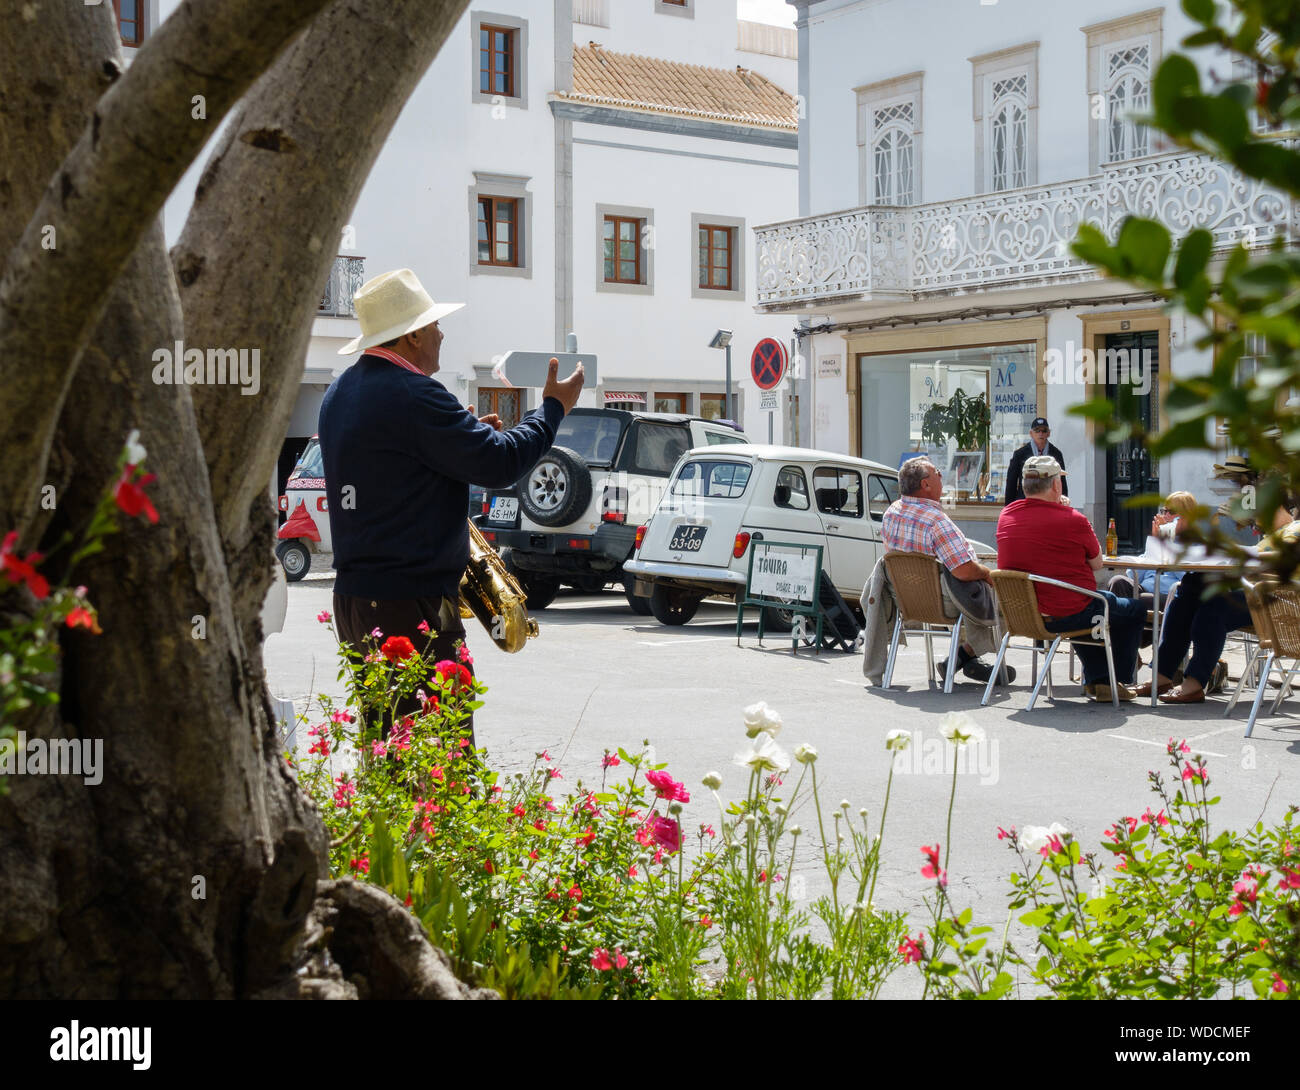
x: 1043, y: 535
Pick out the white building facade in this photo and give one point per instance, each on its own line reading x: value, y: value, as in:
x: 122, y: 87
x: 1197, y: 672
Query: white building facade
x: 577, y: 166
x: 950, y: 152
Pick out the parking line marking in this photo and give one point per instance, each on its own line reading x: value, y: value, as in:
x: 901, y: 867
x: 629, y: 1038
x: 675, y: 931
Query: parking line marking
x: 678, y: 642
x: 1234, y: 728
x: 1162, y: 745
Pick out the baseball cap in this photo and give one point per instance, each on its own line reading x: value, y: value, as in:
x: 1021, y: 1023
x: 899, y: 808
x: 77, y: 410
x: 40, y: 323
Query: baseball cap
x: 1042, y: 467
x: 1039, y: 422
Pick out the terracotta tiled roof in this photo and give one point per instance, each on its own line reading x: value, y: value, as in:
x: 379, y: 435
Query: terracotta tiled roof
x: 626, y: 81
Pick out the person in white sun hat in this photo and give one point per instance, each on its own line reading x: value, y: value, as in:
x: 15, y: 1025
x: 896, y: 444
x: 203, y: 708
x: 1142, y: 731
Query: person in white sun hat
x: 400, y: 453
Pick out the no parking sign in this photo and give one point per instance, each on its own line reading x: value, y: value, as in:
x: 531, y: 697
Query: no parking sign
x: 767, y: 364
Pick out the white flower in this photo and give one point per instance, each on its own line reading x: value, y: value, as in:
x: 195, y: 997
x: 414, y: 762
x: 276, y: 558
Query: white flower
x: 781, y: 808
x: 898, y: 740
x: 863, y: 812
x: 674, y: 808
x: 759, y: 717
x: 750, y: 821
x: 795, y: 830
x: 712, y: 780
x: 845, y: 805
x: 135, y: 452
x: 763, y: 754
x: 959, y: 728
x: 1034, y: 837
x: 805, y: 754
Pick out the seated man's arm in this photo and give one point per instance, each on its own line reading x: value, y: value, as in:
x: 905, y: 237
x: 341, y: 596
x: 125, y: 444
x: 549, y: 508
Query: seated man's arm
x: 972, y: 571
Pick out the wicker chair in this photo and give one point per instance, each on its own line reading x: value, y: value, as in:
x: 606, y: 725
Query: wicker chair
x: 1021, y: 617
x: 1275, y: 611
x: 915, y: 579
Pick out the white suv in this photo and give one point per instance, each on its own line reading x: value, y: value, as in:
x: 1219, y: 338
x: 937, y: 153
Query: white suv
x: 573, y: 517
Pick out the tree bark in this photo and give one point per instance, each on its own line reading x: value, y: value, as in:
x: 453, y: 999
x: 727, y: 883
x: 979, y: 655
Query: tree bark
x: 140, y: 138
x: 191, y: 869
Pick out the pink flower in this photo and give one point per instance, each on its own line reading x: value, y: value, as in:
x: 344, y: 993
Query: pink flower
x: 1246, y: 892
x: 378, y: 749
x: 17, y: 570
x: 362, y: 864
x: 932, y: 868
x: 667, y: 834
x: 658, y: 856
x: 1195, y: 774
x: 706, y: 921
x: 913, y: 950
x: 463, y: 655
x: 610, y: 760
x: 586, y: 838
x: 342, y: 717
x: 668, y: 788
x: 1004, y: 835
x: 710, y: 831
x: 454, y: 672
x: 1155, y: 819
x: 323, y: 616
x: 600, y: 960
x: 554, y: 773
x: 1177, y: 747
x: 343, y: 793
x: 376, y: 633
x: 546, y: 755
x: 423, y: 626
x: 632, y: 871
x: 1290, y: 880
x: 1279, y: 985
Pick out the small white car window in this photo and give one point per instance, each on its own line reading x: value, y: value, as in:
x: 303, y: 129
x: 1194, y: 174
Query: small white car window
x: 791, y: 489
x: 881, y: 492
x: 721, y: 438
x: 713, y: 480
x: 838, y: 491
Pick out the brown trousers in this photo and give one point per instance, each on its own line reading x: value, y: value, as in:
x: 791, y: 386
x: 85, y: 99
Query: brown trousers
x: 355, y: 618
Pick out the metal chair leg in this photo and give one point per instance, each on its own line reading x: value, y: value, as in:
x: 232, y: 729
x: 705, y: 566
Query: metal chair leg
x: 929, y: 653
x: 1285, y: 689
x: 954, y: 646
x: 1259, y: 693
x: 1110, y: 669
x: 893, y: 652
x: 1047, y: 666
x: 997, y: 670
x: 1248, y: 671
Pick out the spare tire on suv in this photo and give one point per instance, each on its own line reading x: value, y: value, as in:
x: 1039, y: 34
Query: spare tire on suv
x: 557, y: 489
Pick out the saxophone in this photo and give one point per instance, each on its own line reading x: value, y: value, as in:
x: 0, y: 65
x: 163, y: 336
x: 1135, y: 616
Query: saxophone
x: 492, y: 594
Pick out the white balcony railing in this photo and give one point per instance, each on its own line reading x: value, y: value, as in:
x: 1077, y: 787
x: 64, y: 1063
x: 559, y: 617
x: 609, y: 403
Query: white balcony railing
x: 1021, y: 236
x: 346, y: 275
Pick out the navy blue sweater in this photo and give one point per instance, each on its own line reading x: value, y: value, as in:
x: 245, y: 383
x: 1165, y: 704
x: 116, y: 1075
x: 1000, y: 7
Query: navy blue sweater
x: 408, y: 450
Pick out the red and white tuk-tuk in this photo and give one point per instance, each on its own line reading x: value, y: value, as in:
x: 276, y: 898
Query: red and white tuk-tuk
x: 307, y: 530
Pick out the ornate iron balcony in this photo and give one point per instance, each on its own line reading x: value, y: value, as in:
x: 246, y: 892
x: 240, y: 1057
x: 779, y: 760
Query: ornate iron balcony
x: 346, y: 275
x: 1018, y: 237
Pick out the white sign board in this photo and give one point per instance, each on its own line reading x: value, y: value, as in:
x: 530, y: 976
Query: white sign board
x: 830, y: 366
x: 783, y: 571
x: 767, y: 401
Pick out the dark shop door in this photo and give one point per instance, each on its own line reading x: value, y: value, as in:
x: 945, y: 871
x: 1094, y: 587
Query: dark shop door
x: 1130, y: 470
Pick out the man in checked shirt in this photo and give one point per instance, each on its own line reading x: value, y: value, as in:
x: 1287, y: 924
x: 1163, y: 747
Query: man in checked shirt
x: 917, y: 523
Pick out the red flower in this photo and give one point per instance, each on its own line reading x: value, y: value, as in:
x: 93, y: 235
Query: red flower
x: 455, y: 672
x: 706, y: 922
x: 912, y: 951
x: 518, y: 811
x: 631, y: 871
x: 130, y: 495
x: 423, y: 626
x: 609, y: 760
x: 1261, y: 93
x: 397, y: 649
x: 600, y: 960
x: 17, y: 570
x: 575, y: 894
x: 586, y: 838
x: 667, y: 834
x: 668, y: 788
x: 762, y: 877
x: 488, y: 867
x: 84, y: 618
x: 1290, y: 879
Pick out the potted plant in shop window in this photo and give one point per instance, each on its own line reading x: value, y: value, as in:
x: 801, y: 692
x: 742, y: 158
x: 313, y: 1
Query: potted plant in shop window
x: 963, y: 419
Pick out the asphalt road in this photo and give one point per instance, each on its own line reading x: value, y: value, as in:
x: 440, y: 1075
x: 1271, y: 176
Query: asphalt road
x: 601, y: 677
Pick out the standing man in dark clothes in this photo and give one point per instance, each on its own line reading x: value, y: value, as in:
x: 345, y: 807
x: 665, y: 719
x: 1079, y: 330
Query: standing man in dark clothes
x: 1037, y: 447
x: 400, y: 453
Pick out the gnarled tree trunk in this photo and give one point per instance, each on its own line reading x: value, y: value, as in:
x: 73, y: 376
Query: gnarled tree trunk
x: 100, y: 884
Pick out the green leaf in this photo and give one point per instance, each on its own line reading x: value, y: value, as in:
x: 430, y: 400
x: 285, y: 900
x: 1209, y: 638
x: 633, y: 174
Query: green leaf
x: 1202, y: 37
x: 1176, y: 77
x: 1144, y: 246
x: 1193, y: 256
x: 1202, y: 11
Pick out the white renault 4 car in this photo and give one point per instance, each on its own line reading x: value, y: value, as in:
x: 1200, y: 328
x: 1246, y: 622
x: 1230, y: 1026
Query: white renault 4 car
x: 719, y: 500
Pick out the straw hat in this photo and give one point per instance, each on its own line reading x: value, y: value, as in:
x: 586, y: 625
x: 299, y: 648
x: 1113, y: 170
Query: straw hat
x: 391, y: 304
x: 1234, y: 465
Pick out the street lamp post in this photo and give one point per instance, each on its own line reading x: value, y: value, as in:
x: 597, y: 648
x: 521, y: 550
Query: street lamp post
x: 722, y: 339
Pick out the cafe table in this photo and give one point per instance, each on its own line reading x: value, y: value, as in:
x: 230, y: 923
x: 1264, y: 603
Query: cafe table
x: 1172, y: 563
